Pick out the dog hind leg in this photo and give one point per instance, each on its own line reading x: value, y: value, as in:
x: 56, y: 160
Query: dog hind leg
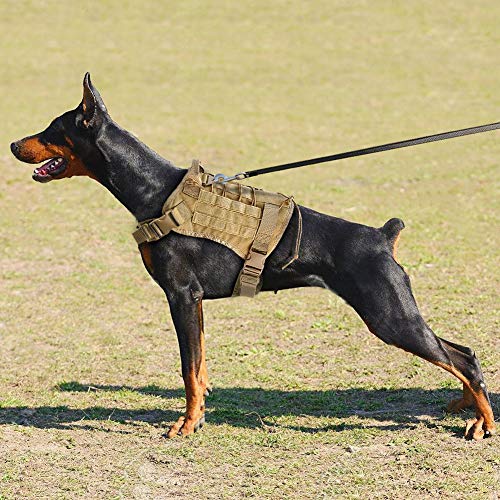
x: 465, y: 366
x: 380, y: 291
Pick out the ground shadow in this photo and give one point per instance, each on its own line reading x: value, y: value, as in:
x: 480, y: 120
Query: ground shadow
x: 256, y: 408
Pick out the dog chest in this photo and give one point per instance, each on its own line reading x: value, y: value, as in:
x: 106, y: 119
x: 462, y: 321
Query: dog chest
x: 247, y: 220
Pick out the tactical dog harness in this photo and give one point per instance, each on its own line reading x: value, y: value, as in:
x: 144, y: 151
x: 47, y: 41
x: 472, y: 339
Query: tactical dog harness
x: 247, y: 220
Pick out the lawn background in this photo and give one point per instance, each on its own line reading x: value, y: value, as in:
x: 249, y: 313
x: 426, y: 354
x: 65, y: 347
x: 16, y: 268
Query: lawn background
x: 307, y: 403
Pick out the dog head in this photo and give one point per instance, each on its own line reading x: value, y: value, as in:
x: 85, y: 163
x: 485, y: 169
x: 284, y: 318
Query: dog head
x: 68, y: 144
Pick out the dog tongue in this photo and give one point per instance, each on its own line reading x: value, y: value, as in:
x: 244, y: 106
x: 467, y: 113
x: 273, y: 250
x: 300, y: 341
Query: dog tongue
x: 41, y: 171
x: 46, y: 167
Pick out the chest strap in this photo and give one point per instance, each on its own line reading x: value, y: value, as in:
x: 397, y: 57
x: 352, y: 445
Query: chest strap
x: 155, y: 229
x: 248, y: 281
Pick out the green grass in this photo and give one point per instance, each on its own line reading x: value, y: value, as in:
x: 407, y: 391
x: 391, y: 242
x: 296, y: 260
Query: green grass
x: 307, y: 403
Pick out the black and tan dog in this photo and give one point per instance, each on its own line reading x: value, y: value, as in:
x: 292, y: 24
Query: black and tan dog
x: 354, y: 261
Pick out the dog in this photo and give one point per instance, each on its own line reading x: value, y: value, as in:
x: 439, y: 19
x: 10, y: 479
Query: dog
x: 355, y: 261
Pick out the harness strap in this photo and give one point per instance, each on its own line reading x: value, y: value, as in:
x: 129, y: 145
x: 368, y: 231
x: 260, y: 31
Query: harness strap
x: 155, y: 229
x: 295, y: 255
x: 249, y: 278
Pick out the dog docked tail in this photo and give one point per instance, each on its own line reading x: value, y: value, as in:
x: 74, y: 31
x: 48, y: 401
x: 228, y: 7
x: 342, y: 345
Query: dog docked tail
x: 392, y: 230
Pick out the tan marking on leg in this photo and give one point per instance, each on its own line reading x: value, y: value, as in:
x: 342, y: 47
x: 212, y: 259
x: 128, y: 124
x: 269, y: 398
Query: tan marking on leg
x: 203, y: 373
x: 467, y: 400
x: 484, y: 421
x: 474, y: 428
x: 174, y: 430
x: 196, y: 384
x: 195, y: 407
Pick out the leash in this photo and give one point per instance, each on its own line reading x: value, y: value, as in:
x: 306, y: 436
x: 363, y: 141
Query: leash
x: 359, y: 152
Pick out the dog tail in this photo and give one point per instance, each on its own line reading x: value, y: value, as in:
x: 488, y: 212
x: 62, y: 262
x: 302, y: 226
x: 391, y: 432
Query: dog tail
x: 392, y: 229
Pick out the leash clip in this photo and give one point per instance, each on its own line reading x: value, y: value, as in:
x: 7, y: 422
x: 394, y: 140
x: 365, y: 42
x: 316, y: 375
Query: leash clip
x: 222, y: 179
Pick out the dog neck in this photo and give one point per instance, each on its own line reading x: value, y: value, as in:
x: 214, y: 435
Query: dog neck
x: 135, y: 174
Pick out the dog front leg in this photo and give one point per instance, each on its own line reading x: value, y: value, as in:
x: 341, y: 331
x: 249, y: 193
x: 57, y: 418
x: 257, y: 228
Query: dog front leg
x: 187, y: 314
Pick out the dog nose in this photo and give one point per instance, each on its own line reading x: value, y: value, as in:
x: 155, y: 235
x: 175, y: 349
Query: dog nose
x: 14, y: 147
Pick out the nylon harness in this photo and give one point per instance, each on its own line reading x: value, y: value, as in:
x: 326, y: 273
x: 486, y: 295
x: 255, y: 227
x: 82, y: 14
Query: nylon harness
x: 247, y: 220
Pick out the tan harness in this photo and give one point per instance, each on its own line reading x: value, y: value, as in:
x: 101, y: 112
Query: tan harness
x: 249, y: 221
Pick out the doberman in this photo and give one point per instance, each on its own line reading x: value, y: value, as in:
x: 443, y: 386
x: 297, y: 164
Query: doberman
x: 354, y: 261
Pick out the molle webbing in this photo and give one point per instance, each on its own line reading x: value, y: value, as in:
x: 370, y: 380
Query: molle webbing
x: 249, y: 221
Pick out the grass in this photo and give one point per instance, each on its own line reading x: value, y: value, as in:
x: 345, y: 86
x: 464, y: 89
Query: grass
x: 307, y: 403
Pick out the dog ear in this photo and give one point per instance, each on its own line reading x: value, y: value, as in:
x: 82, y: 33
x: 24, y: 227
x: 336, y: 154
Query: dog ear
x: 92, y: 105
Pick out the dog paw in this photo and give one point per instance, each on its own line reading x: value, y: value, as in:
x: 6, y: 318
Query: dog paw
x: 185, y: 427
x: 476, y: 429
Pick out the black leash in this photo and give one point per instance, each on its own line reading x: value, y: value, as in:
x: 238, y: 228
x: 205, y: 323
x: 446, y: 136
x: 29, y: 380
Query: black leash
x: 360, y: 152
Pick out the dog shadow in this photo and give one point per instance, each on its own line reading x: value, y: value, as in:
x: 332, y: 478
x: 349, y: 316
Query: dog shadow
x: 256, y: 408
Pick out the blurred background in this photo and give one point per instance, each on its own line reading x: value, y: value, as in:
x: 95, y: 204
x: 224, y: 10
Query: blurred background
x: 243, y: 85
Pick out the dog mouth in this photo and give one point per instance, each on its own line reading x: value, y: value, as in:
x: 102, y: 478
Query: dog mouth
x: 50, y: 169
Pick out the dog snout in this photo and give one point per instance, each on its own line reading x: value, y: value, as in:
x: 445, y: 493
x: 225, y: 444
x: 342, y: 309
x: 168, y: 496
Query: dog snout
x: 14, y: 147
x: 27, y: 149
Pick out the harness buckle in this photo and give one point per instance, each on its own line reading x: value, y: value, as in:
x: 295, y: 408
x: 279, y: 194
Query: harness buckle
x: 152, y: 231
x: 255, y: 262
